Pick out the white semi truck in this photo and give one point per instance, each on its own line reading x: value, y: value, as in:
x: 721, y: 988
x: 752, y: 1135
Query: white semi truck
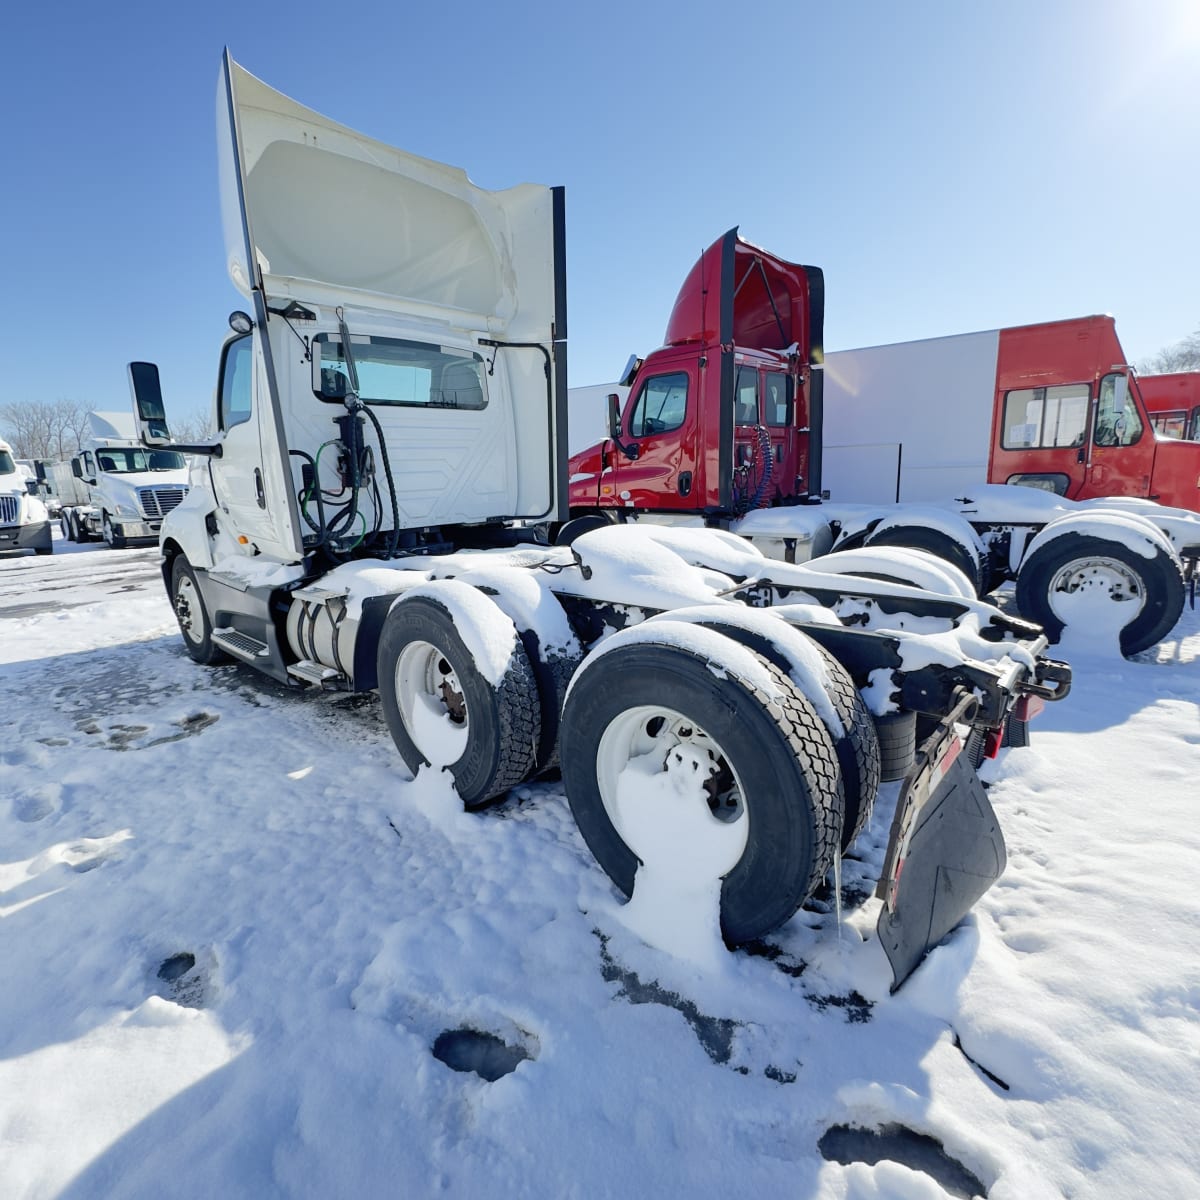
x: 24, y: 522
x: 115, y: 488
x: 391, y: 437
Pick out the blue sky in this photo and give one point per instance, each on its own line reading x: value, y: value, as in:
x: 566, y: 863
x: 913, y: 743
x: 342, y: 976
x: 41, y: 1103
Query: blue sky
x: 951, y: 165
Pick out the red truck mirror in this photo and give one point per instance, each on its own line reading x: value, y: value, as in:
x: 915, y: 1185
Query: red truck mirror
x: 614, y: 427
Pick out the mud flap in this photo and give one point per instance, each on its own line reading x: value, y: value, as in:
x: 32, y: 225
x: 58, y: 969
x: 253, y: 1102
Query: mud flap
x: 945, y: 850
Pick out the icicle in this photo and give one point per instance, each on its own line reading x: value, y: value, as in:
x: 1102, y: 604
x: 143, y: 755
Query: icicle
x: 837, y: 888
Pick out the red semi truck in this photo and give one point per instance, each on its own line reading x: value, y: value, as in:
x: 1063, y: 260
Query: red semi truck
x: 1173, y: 402
x: 740, y: 421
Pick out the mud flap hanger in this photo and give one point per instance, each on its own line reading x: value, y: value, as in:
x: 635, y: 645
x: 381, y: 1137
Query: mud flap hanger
x: 944, y: 851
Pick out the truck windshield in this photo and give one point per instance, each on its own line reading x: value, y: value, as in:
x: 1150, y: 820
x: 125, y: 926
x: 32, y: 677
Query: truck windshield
x: 125, y: 462
x: 7, y: 466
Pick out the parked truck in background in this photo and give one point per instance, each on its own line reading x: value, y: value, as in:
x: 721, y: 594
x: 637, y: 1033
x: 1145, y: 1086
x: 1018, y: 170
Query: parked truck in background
x: 1173, y: 402
x: 741, y: 422
x: 24, y: 522
x: 116, y: 489
x: 391, y: 437
x: 1053, y: 405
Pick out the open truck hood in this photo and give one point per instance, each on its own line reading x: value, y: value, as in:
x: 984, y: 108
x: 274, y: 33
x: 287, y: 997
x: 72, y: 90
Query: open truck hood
x: 320, y: 213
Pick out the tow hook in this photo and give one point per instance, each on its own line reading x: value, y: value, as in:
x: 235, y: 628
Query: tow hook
x: 1052, y: 680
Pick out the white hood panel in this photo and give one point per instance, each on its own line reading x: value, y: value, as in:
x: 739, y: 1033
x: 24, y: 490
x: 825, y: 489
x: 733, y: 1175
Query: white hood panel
x: 336, y: 217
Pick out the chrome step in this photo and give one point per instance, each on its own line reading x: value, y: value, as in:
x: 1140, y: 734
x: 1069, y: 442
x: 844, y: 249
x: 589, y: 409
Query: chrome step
x: 241, y: 644
x: 314, y: 673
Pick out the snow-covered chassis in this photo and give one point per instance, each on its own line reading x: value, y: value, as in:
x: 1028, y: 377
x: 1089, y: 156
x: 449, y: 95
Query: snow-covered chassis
x: 391, y: 436
x: 639, y: 651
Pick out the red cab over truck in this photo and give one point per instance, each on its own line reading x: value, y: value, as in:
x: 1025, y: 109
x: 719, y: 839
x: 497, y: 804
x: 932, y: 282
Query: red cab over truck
x: 1053, y: 405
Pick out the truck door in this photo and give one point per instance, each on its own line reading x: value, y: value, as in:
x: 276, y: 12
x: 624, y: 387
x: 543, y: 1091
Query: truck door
x: 1042, y: 438
x: 249, y: 485
x: 660, y: 421
x: 1120, y: 461
x: 779, y: 410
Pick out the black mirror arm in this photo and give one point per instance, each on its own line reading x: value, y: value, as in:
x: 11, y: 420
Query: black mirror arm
x: 208, y: 449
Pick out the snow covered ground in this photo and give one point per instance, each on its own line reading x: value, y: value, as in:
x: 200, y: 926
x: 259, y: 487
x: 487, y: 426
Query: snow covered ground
x: 232, y: 934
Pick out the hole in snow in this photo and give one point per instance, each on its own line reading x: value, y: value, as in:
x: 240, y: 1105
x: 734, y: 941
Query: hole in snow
x: 176, y: 966
x: 484, y: 1053
x: 918, y: 1151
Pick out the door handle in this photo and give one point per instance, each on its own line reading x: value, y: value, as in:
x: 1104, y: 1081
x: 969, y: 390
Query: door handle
x: 258, y: 489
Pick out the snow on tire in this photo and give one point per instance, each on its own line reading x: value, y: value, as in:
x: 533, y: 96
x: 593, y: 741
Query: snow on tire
x: 458, y: 690
x: 1066, y: 560
x: 668, y: 691
x: 952, y: 539
x: 898, y: 564
x: 825, y: 683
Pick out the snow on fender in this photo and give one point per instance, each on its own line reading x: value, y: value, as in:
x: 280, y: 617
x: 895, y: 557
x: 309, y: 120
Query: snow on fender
x: 1100, y: 567
x: 457, y: 689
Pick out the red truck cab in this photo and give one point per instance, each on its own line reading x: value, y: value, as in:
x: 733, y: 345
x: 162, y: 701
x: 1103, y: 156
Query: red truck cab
x: 1069, y: 415
x: 725, y: 416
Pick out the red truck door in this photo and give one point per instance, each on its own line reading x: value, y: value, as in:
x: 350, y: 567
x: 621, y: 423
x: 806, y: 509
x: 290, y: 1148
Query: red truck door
x: 1120, y: 459
x: 660, y: 420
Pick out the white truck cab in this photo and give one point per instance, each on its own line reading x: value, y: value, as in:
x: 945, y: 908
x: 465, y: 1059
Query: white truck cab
x: 121, y: 490
x: 24, y: 522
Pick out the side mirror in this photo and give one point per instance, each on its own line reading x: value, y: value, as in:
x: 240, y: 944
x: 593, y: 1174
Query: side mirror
x: 76, y: 468
x: 31, y: 486
x: 328, y: 382
x: 614, y: 428
x: 148, y: 411
x: 614, y: 416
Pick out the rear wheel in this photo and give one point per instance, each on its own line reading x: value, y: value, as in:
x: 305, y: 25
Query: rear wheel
x: 752, y: 748
x: 967, y: 555
x: 66, y: 527
x: 445, y: 707
x: 1063, y: 575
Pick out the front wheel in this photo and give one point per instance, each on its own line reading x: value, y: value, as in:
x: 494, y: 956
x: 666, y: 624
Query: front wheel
x: 1060, y: 579
x: 651, y: 726
x: 114, y: 540
x: 193, y: 618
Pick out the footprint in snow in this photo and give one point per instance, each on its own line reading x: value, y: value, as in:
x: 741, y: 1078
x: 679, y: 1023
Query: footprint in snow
x: 187, y: 979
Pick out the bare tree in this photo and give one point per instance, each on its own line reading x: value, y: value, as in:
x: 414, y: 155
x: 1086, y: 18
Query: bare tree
x: 1183, y: 356
x: 193, y: 426
x: 49, y: 430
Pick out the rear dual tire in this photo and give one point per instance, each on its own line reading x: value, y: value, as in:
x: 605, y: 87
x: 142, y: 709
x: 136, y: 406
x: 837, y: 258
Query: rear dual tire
x: 774, y: 781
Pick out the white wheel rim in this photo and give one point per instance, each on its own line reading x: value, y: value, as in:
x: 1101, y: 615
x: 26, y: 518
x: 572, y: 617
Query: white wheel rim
x: 187, y: 610
x: 1100, y: 576
x: 432, y: 704
x: 644, y: 737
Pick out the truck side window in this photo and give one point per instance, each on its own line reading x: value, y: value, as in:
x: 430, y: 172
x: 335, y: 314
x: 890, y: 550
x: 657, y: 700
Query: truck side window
x: 236, y: 382
x: 1045, y: 417
x: 745, y: 397
x: 779, y: 398
x: 1116, y: 428
x: 661, y: 405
